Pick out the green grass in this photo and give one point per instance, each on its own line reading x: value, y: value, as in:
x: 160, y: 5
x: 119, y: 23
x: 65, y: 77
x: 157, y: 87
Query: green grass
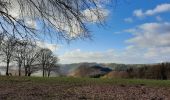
x: 86, y: 81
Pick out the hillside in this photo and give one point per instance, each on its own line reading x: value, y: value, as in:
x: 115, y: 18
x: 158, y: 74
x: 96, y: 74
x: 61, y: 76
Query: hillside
x: 68, y: 68
x: 86, y: 70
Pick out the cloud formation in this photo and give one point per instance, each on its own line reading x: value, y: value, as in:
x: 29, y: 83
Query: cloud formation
x: 52, y: 47
x: 150, y: 43
x: 151, y: 35
x: 77, y: 55
x: 158, y: 9
x: 127, y: 56
x: 152, y: 40
x: 138, y: 13
x: 96, y: 15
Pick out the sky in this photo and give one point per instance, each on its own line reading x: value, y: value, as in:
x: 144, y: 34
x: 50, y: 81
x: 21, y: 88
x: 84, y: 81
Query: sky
x: 135, y: 32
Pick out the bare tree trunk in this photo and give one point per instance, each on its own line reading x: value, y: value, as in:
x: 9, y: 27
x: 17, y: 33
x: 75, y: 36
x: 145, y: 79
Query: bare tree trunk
x: 25, y: 67
x: 26, y: 71
x: 43, y: 71
x: 49, y: 72
x: 29, y: 71
x: 29, y: 74
x: 7, y: 68
x: 19, y: 69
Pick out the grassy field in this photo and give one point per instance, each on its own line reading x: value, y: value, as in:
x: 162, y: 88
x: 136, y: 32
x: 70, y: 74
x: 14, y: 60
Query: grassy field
x: 87, y: 81
x: 37, y: 88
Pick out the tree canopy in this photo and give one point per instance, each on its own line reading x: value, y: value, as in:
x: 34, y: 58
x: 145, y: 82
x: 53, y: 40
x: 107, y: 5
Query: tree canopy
x: 64, y: 19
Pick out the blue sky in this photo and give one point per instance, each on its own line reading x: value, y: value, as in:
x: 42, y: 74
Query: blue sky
x: 137, y: 31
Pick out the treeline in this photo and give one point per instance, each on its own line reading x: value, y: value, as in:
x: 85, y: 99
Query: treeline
x: 27, y: 55
x: 155, y: 71
x: 122, y: 67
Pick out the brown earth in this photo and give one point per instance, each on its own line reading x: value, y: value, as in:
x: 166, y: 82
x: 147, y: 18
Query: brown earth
x: 27, y: 90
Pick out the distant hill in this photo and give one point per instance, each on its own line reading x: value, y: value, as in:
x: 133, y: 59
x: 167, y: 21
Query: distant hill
x: 87, y: 70
x: 66, y: 69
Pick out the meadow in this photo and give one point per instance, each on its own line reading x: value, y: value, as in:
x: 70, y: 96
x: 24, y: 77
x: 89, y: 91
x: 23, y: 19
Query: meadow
x: 68, y: 88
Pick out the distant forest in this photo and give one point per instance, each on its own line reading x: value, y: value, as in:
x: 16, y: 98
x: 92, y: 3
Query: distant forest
x: 140, y: 71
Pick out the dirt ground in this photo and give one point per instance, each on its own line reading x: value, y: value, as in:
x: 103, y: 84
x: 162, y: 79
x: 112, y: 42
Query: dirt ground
x: 43, y: 91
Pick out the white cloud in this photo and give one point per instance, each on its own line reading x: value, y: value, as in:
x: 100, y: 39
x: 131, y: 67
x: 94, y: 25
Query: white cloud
x: 77, y: 55
x: 158, y: 9
x: 138, y: 13
x: 129, y: 20
x: 31, y: 23
x: 151, y: 35
x: 52, y: 47
x: 14, y: 9
x: 152, y: 40
x: 158, y: 52
x: 95, y: 15
x: 128, y: 56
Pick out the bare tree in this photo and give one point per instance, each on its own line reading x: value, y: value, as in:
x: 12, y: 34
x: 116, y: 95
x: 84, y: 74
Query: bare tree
x: 30, y: 58
x: 43, y: 59
x: 8, y: 48
x: 52, y: 64
x: 20, y: 53
x: 47, y: 60
x: 65, y: 19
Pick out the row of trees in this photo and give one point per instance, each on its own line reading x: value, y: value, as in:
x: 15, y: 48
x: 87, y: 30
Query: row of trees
x: 26, y: 55
x: 160, y: 71
x: 157, y: 71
